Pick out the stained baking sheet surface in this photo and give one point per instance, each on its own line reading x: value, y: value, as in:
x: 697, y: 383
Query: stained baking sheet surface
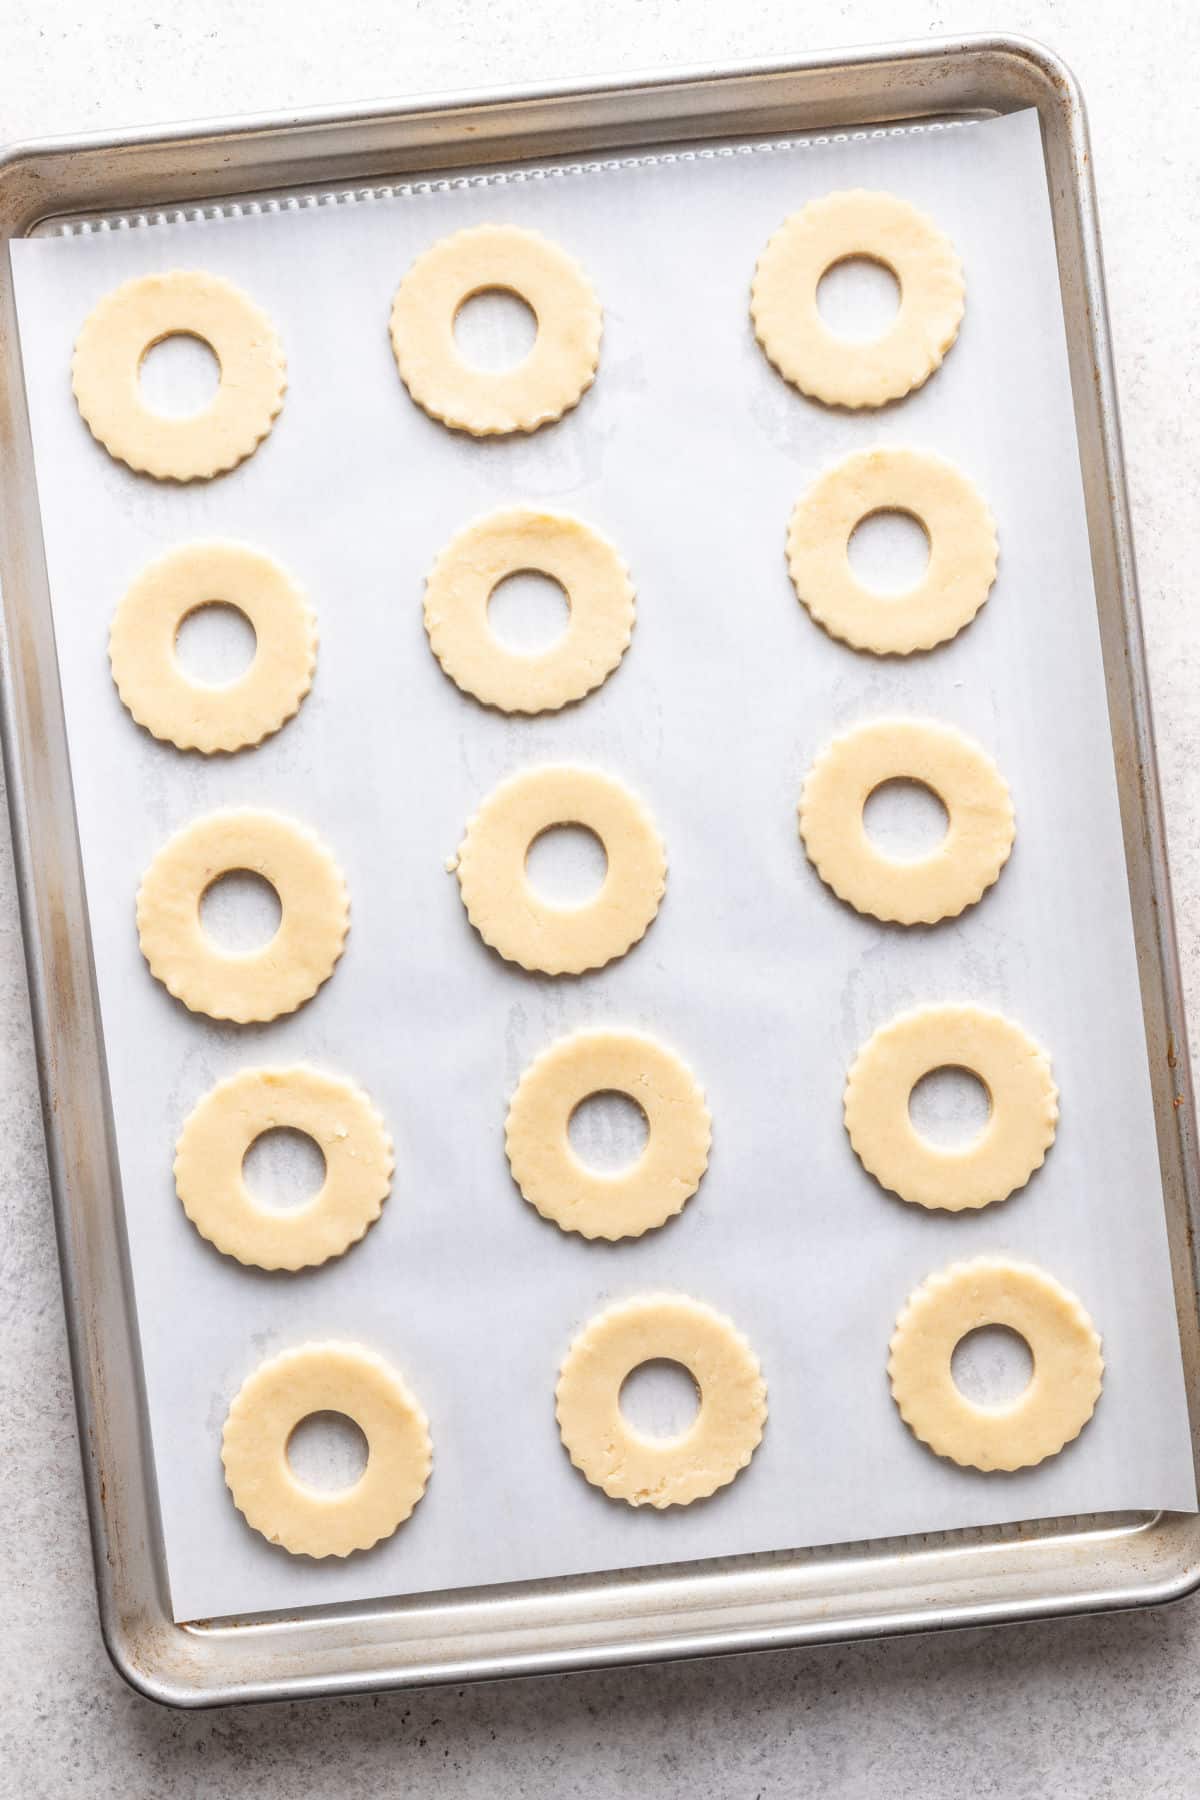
x: 689, y: 452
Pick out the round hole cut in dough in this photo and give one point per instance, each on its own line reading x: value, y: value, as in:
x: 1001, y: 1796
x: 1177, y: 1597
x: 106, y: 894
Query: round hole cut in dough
x: 962, y: 551
x: 1067, y: 1366
x: 649, y: 1471
x: 503, y: 907
x: 585, y: 565
x: 340, y: 1120
x: 1014, y: 1070
x: 787, y: 320
x: 487, y: 403
x: 196, y: 715
x: 340, y: 1378
x: 127, y: 323
x: 252, y: 985
x: 558, y: 1184
x: 966, y: 781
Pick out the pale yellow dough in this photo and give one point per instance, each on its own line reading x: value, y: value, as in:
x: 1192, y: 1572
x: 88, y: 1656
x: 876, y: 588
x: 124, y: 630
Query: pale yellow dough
x: 133, y: 318
x: 195, y: 715
x: 243, y: 985
x: 1067, y: 1365
x: 558, y: 370
x: 972, y: 790
x: 962, y: 551
x: 586, y: 566
x: 340, y: 1120
x: 652, y: 1471
x: 1020, y: 1129
x: 788, y: 322
x: 551, y: 1176
x: 505, y: 910
x: 341, y: 1378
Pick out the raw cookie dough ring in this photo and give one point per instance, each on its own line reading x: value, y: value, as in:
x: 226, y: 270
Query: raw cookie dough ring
x: 562, y: 1188
x: 964, y: 778
x: 1019, y: 1131
x: 341, y: 1378
x: 788, y: 322
x: 558, y: 370
x: 585, y: 565
x: 1067, y: 1365
x: 340, y: 1120
x: 509, y: 915
x: 196, y: 715
x: 127, y: 323
x: 962, y: 551
x: 253, y: 985
x: 660, y: 1472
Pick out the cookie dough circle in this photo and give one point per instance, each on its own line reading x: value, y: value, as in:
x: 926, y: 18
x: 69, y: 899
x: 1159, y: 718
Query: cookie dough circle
x: 660, y: 1472
x: 964, y: 778
x: 558, y: 370
x: 1067, y: 1365
x: 509, y: 915
x: 962, y: 551
x: 558, y: 1184
x: 127, y: 323
x: 585, y: 565
x: 251, y: 985
x: 197, y: 715
x: 788, y: 322
x: 341, y: 1378
x: 1019, y: 1131
x: 340, y: 1120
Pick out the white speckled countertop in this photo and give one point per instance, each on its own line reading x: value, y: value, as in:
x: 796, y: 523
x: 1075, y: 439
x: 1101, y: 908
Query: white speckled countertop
x: 1085, y: 1708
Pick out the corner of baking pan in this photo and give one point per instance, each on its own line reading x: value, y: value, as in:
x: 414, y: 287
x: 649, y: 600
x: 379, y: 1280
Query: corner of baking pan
x: 146, y: 1661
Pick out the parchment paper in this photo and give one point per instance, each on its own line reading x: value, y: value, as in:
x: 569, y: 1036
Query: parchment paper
x: 689, y: 452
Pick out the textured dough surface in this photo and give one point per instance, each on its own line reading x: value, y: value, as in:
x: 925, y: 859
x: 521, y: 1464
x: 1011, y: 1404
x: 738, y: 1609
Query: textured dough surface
x: 585, y: 565
x: 558, y: 370
x: 254, y: 984
x: 788, y: 322
x: 340, y: 1120
x: 107, y: 363
x: 1067, y: 1364
x: 962, y: 551
x: 196, y: 715
x: 341, y: 1378
x: 1019, y: 1131
x: 546, y: 1168
x: 978, y: 838
x: 503, y: 907
x: 661, y: 1472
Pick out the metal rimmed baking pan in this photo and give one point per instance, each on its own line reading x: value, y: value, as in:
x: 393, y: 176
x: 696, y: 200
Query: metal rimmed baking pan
x: 964, y: 1578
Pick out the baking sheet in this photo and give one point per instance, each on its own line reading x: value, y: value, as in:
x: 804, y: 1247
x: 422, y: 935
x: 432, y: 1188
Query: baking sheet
x: 689, y: 452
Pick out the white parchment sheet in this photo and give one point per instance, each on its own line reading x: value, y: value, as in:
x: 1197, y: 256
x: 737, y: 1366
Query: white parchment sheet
x: 689, y: 452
